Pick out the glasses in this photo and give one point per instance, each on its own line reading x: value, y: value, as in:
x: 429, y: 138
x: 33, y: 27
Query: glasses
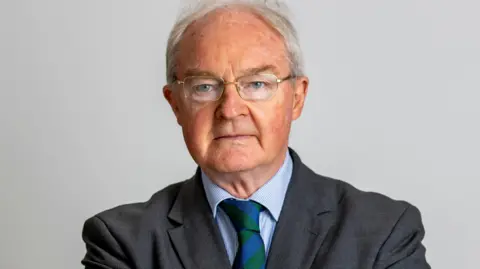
x: 258, y: 87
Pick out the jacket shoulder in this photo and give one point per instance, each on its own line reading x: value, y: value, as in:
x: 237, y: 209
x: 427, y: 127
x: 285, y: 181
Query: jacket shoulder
x: 388, y: 231
x: 368, y: 211
x: 370, y: 203
x: 134, y: 214
x: 121, y: 237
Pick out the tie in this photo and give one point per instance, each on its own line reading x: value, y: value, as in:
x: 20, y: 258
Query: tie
x: 245, y: 217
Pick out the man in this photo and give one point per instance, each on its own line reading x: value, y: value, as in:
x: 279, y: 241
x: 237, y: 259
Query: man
x: 235, y: 84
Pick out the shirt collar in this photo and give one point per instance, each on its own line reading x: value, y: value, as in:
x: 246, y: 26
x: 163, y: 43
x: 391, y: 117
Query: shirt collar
x: 271, y: 195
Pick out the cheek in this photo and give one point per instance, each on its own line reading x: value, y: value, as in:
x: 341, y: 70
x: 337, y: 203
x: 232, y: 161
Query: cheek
x: 197, y: 124
x: 280, y: 121
x: 274, y: 122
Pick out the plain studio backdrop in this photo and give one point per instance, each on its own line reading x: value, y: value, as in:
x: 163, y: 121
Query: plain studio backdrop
x: 393, y: 107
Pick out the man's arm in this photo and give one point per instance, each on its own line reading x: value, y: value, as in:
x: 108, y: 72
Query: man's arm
x: 403, y: 248
x: 103, y: 250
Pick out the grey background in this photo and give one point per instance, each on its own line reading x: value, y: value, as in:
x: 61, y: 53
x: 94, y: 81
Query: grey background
x: 393, y: 107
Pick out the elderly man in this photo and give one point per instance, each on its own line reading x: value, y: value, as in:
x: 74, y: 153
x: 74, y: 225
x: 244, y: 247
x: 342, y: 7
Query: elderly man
x: 235, y: 84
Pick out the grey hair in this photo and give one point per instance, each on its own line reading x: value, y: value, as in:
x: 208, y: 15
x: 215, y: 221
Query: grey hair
x: 275, y: 14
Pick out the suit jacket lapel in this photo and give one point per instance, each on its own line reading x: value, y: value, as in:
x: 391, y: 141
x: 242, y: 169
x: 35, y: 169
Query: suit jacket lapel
x: 197, y: 239
x: 307, y: 215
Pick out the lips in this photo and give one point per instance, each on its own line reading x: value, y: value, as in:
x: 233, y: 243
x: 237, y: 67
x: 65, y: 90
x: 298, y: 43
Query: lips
x: 232, y: 137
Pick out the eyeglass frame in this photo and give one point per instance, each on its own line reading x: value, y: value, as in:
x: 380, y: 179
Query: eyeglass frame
x: 235, y: 82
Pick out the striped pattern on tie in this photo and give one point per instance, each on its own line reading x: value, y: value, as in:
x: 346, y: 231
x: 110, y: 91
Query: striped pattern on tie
x: 245, y: 218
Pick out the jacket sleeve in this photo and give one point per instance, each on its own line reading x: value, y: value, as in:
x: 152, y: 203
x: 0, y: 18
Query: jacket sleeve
x: 103, y: 250
x: 403, y: 248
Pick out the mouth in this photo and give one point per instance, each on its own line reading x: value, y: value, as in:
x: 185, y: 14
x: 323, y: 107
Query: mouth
x: 233, y: 137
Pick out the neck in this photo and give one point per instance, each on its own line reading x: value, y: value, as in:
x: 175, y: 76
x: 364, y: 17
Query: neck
x: 242, y: 184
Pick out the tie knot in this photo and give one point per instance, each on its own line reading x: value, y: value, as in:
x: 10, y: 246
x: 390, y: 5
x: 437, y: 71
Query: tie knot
x: 244, y: 215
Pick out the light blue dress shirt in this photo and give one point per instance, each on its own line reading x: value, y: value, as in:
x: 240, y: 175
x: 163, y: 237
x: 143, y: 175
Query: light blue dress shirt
x: 271, y: 196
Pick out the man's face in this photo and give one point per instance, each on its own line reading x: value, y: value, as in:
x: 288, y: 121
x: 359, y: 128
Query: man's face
x: 232, y: 134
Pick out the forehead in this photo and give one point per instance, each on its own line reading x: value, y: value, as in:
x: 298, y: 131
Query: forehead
x: 231, y: 41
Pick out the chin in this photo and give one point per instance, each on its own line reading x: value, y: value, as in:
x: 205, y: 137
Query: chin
x: 233, y: 159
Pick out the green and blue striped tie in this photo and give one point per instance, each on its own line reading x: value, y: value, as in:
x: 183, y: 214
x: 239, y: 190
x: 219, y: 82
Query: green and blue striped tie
x: 245, y: 217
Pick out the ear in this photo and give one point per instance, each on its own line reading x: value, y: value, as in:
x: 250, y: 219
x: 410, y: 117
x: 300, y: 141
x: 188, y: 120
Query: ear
x: 172, y: 100
x: 300, y: 93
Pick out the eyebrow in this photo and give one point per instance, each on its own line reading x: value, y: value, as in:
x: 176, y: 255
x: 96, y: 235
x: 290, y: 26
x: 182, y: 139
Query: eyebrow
x: 199, y: 72
x: 258, y: 70
x: 249, y: 71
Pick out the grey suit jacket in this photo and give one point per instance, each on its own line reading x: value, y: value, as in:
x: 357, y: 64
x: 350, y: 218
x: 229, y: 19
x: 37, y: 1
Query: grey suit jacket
x: 324, y: 223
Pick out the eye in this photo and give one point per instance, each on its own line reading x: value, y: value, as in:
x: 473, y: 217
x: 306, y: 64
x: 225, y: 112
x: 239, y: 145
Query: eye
x: 202, y: 84
x: 257, y: 84
x: 203, y: 87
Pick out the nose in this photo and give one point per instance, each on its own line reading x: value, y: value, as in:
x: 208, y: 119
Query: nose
x: 231, y: 104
